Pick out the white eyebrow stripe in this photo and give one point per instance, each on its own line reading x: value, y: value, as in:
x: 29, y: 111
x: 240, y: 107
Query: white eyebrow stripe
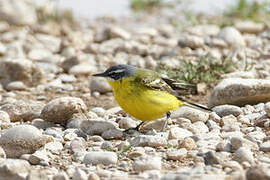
x: 117, y: 71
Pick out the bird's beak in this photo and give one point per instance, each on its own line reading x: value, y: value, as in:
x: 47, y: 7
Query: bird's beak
x: 100, y: 75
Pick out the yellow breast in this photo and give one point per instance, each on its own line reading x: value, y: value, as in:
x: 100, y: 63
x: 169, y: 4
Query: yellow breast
x: 141, y: 102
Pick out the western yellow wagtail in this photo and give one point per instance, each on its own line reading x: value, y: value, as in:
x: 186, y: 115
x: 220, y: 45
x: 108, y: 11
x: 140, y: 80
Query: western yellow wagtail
x: 143, y: 93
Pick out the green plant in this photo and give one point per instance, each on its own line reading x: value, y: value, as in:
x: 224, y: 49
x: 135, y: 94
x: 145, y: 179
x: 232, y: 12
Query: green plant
x: 206, y: 69
x: 56, y: 15
x: 245, y: 9
x: 139, y: 5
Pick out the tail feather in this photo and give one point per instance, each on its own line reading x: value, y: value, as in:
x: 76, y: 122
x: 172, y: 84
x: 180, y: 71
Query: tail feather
x: 194, y: 105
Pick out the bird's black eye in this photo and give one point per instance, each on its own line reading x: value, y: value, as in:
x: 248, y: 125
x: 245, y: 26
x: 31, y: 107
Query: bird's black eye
x: 116, y: 75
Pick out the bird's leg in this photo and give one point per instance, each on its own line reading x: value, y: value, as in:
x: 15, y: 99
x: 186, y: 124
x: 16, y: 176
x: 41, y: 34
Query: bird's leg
x: 137, y: 128
x: 168, y: 115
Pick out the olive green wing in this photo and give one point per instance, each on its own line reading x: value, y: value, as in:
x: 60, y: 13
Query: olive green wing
x: 154, y: 80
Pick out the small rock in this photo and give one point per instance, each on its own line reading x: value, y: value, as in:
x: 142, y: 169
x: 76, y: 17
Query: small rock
x: 99, y: 111
x: 105, y: 158
x: 117, y: 32
x: 147, y: 163
x: 77, y: 145
x: 100, y: 84
x: 60, y: 176
x: 204, y: 30
x: 265, y: 147
x: 20, y: 17
x: 93, y: 176
x: 22, y: 110
x: 192, y: 114
x: 60, y: 110
x: 127, y: 123
x: 79, y: 175
x: 13, y: 169
x: 236, y: 143
x: 149, y: 140
x: 2, y: 153
x: 16, y: 85
x: 187, y: 143
x: 228, y: 120
x: 4, y: 117
x: 179, y: 133
x: 157, y: 124
x: 239, y: 91
x: 211, y: 158
x: 191, y: 41
x: 97, y: 126
x: 249, y: 27
x: 267, y: 108
x: 243, y: 154
x: 200, y: 127
x: 112, y: 134
x: 41, y: 124
x: 54, y: 147
x: 177, y: 155
x: 26, y: 72
x: 232, y: 36
x: 51, y: 43
x: 22, y: 139
x: 37, y: 157
x: 261, y: 172
x: 82, y: 69
x: 225, y: 110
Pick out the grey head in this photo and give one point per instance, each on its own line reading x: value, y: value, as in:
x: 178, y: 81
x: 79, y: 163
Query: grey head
x: 119, y: 71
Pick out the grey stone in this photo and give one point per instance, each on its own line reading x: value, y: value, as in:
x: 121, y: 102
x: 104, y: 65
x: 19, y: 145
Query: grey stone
x: 79, y: 175
x: 127, y: 123
x: 22, y: 139
x: 147, y: 163
x: 16, y: 85
x: 49, y: 42
x: 232, y: 36
x: 60, y: 110
x: 22, y: 110
x: 112, y: 134
x: 4, y: 117
x: 267, y: 108
x: 192, y: 114
x: 244, y: 154
x: 41, y: 124
x: 191, y: 41
x: 211, y: 158
x: 239, y: 91
x: 117, y: 32
x: 97, y: 126
x: 149, y: 140
x: 2, y: 153
x: 13, y: 169
x: 60, y: 176
x: 249, y: 27
x: 82, y: 69
x: 225, y: 110
x: 261, y: 172
x: 265, y: 147
x: 105, y: 158
x: 100, y: 84
x: 26, y: 71
x: 14, y: 12
x: 179, y: 133
x: 177, y: 154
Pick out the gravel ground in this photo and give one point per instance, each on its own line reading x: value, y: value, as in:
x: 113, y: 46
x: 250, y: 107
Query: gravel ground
x: 57, y: 122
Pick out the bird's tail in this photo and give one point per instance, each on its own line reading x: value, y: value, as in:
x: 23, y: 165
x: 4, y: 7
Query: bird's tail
x: 193, y: 105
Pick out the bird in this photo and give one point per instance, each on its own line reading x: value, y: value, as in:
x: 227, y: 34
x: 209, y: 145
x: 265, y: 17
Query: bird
x: 145, y: 94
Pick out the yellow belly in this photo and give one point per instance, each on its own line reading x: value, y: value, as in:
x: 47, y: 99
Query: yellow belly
x: 143, y: 103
